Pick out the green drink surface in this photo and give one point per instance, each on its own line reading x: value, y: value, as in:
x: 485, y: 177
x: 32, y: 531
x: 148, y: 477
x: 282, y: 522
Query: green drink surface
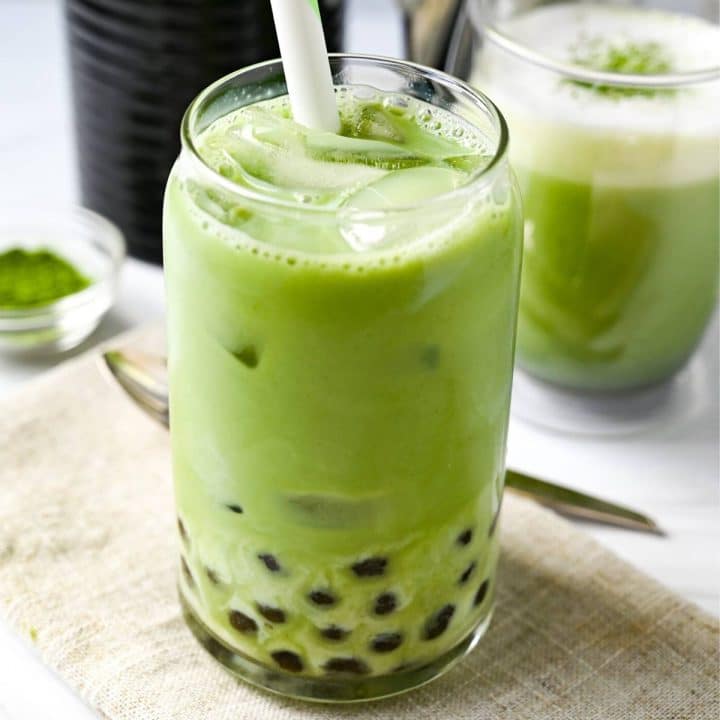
x: 340, y: 382
x: 261, y: 148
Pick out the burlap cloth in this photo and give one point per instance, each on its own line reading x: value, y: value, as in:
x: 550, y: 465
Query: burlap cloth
x: 87, y: 573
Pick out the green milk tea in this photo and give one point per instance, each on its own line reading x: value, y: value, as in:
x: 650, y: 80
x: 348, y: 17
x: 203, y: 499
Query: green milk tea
x: 621, y: 192
x: 341, y: 331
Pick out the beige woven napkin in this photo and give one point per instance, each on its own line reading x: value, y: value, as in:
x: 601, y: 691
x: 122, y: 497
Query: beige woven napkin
x: 87, y: 562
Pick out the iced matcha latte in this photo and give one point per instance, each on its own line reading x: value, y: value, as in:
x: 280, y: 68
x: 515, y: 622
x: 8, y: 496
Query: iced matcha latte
x: 341, y: 329
x: 615, y: 120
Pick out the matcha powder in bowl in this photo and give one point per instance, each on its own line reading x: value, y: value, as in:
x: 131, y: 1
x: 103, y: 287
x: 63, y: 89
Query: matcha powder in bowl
x: 58, y: 276
x: 29, y: 278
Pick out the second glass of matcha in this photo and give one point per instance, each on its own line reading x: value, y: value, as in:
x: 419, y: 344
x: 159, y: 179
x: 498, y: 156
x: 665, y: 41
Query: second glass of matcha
x: 616, y: 151
x: 342, y: 315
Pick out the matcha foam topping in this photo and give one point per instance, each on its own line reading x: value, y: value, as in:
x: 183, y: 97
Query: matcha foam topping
x: 614, y: 39
x: 607, y: 134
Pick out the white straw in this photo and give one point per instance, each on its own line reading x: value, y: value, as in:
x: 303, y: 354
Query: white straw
x: 305, y: 62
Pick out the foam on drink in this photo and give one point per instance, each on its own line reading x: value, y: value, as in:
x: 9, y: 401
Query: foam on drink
x: 547, y: 111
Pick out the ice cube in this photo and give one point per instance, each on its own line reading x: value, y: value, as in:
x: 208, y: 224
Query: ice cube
x: 401, y: 188
x: 328, y: 147
x: 333, y: 511
x: 377, y: 122
x: 269, y: 155
x: 406, y: 187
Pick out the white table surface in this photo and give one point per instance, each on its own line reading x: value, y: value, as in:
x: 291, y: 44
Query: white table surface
x: 670, y: 473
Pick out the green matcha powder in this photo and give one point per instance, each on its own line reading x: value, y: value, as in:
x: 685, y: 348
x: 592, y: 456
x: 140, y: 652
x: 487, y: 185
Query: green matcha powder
x: 628, y: 58
x: 33, y: 278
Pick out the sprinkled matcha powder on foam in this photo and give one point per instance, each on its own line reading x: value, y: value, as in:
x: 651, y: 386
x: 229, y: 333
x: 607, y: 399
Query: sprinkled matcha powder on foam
x: 33, y: 278
x: 626, y: 58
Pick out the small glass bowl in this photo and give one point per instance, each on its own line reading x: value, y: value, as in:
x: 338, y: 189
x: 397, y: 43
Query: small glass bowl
x: 94, y: 246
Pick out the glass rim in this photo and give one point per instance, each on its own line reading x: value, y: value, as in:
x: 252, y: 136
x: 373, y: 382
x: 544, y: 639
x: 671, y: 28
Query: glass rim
x: 588, y: 75
x: 480, y: 178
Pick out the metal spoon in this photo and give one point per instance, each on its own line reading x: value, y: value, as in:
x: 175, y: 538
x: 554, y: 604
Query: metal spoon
x: 144, y: 379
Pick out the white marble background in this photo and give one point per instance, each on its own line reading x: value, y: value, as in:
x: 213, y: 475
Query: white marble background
x: 671, y: 474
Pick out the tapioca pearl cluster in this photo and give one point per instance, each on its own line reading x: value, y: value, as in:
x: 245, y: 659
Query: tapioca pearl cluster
x: 372, y: 571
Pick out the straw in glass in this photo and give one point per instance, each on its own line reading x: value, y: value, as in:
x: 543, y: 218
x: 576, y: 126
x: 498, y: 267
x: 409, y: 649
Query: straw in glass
x: 305, y: 62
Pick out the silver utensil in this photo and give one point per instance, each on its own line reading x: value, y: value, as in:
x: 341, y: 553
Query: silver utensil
x: 144, y: 379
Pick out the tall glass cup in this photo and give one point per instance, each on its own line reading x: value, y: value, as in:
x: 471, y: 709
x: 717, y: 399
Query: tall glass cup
x: 617, y: 153
x: 340, y: 385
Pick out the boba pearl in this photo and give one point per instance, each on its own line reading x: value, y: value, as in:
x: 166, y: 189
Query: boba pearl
x: 274, y: 615
x: 438, y: 623
x: 385, y: 603
x: 481, y: 593
x: 370, y: 567
x: 335, y: 633
x: 386, y: 642
x: 270, y: 562
x: 183, y: 532
x: 467, y: 573
x: 465, y: 537
x: 324, y: 598
x: 242, y: 622
x: 288, y: 660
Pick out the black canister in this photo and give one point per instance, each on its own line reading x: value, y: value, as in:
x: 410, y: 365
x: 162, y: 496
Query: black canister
x: 136, y: 65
